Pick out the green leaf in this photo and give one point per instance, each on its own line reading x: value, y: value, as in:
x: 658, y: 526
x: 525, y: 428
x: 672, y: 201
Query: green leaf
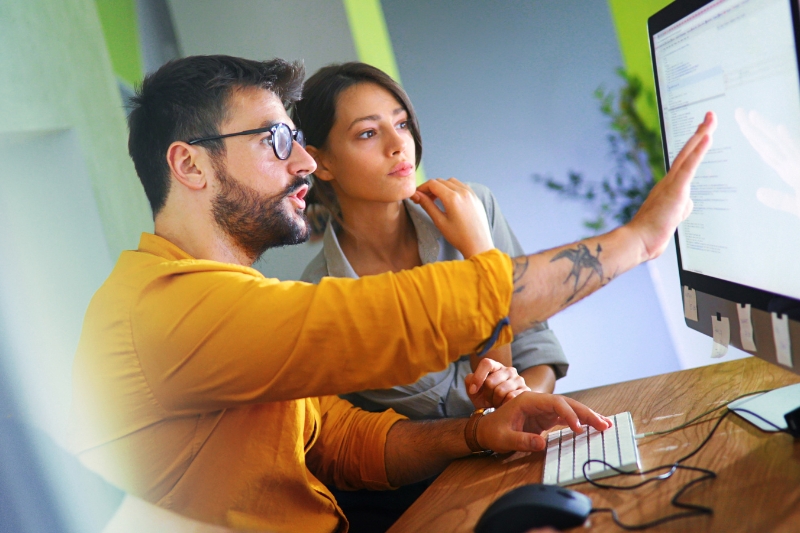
x: 636, y: 149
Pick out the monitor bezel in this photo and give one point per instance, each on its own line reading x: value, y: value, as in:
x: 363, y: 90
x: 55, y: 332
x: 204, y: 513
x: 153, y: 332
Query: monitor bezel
x: 729, y: 290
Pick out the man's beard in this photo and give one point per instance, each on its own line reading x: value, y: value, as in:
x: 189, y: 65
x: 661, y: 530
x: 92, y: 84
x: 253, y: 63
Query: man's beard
x: 257, y: 222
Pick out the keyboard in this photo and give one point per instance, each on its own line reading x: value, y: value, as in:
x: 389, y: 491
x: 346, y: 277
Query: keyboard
x: 567, y: 452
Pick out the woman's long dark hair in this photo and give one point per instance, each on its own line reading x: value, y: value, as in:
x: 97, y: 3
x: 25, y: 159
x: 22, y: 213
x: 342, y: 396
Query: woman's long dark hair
x: 315, y: 114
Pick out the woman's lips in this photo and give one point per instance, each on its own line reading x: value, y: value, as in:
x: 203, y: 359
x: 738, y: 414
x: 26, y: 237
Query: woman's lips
x: 402, y: 170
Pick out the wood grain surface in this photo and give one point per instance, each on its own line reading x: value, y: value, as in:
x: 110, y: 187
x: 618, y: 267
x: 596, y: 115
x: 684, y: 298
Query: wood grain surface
x: 757, y: 487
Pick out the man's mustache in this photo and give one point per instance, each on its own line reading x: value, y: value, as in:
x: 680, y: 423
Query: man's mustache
x: 298, y: 182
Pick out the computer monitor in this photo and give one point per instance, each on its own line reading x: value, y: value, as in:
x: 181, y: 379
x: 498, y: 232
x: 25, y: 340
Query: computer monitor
x: 739, y: 250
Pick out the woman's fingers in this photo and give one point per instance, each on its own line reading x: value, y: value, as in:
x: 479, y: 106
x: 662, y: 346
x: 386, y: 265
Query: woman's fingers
x: 438, y: 187
x: 513, y: 394
x: 482, y: 371
x: 502, y: 384
x: 462, y: 218
x: 426, y: 201
x: 495, y: 383
x: 508, y: 390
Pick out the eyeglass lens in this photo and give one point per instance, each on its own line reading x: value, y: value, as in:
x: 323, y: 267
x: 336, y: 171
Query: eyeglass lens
x: 282, y: 140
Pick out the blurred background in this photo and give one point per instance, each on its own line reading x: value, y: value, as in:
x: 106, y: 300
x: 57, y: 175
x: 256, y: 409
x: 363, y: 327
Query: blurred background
x: 504, y: 90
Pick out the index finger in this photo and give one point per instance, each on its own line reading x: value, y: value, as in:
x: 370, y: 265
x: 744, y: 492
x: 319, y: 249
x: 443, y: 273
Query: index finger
x: 706, y: 128
x: 436, y: 187
x: 583, y: 415
x: 484, y: 368
x: 425, y: 188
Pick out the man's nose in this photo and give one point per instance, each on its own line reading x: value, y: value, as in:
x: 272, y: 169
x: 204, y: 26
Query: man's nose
x: 300, y: 162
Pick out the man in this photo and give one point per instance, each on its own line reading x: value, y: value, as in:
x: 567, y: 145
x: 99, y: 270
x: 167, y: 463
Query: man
x: 205, y: 388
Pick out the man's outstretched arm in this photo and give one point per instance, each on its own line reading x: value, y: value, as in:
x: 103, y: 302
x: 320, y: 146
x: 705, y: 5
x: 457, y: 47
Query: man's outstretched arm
x: 587, y: 265
x: 547, y: 282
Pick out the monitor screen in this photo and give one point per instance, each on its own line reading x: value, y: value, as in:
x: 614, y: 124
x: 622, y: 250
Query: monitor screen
x: 739, y: 59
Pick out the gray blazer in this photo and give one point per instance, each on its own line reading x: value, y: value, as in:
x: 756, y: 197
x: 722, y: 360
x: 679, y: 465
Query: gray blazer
x: 442, y: 394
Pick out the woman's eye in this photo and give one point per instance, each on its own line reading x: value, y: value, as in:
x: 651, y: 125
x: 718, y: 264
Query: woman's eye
x: 366, y: 134
x: 403, y: 125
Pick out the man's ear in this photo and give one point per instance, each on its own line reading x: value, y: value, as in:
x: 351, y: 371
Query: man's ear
x: 322, y: 171
x: 188, y: 164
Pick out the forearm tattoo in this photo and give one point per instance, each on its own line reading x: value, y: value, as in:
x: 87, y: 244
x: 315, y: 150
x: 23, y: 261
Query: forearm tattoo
x: 582, y: 259
x: 520, y: 267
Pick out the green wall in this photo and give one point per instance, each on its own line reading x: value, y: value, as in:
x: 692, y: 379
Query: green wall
x: 630, y: 20
x: 121, y: 31
x: 372, y: 42
x: 370, y: 35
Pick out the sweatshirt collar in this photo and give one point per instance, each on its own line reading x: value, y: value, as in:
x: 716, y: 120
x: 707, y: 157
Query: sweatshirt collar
x: 155, y: 245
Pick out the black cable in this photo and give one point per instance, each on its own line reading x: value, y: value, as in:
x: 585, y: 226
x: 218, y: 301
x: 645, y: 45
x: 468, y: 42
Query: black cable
x: 691, y: 509
x: 698, y: 417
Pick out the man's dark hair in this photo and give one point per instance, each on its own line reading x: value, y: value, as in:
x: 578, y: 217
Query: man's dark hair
x: 188, y: 98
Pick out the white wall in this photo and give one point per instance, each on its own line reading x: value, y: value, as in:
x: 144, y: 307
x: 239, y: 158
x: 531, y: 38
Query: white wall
x: 54, y: 258
x: 70, y: 200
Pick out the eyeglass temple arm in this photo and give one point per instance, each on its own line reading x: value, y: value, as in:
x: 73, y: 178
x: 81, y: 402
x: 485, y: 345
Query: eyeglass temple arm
x: 246, y: 132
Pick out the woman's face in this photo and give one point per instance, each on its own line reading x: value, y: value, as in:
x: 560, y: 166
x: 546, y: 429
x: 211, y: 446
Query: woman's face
x: 370, y: 153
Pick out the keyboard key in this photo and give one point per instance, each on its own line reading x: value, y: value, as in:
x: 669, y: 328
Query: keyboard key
x: 567, y: 461
x: 596, y: 451
x: 629, y: 453
x: 552, y: 457
x: 611, y: 445
x: 581, y: 452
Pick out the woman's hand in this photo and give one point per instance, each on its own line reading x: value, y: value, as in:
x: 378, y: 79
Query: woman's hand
x: 463, y: 222
x: 518, y: 425
x: 492, y: 384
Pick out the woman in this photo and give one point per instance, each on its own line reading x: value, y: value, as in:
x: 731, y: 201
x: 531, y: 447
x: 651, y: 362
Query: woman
x: 361, y: 129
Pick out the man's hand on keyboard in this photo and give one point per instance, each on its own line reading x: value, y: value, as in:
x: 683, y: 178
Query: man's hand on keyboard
x: 493, y: 384
x: 518, y: 424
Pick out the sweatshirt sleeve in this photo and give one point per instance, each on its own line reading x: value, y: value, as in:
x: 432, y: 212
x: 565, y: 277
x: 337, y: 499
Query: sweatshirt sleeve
x: 539, y: 344
x: 350, y: 450
x: 209, y: 339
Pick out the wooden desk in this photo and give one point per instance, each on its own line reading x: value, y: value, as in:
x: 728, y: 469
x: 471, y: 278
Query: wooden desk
x: 758, y: 483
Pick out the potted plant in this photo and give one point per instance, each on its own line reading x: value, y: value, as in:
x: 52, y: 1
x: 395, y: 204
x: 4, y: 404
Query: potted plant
x: 638, y: 155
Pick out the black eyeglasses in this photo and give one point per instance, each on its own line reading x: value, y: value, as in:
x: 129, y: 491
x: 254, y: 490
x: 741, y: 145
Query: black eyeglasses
x: 281, y: 139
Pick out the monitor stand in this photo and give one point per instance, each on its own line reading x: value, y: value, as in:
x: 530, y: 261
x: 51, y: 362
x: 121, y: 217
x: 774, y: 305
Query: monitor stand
x: 769, y: 406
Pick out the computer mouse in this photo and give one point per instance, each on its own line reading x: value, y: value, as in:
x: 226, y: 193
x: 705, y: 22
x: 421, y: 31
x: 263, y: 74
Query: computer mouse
x: 535, y: 505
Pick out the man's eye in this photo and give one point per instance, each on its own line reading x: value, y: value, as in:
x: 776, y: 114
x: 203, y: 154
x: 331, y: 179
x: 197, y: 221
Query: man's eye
x: 267, y: 140
x: 366, y: 134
